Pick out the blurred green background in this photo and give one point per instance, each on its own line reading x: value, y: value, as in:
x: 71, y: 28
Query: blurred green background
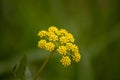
x: 95, y: 25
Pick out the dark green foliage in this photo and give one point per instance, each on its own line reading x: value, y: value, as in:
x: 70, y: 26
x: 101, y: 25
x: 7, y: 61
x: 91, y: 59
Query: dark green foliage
x: 94, y: 23
x: 19, y: 69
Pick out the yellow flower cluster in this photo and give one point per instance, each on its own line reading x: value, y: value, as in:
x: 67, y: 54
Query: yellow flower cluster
x: 62, y: 50
x: 62, y: 41
x: 65, y: 61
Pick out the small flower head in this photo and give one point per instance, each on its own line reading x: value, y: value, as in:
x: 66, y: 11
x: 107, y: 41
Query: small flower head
x: 63, y: 32
x: 69, y: 46
x: 62, y: 50
x: 76, y: 57
x: 53, y: 29
x: 49, y: 46
x: 74, y: 48
x: 52, y: 36
x: 70, y: 37
x: 62, y: 41
x: 41, y: 43
x: 65, y: 61
x: 42, y: 33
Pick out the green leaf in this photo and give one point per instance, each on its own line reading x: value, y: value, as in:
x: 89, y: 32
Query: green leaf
x: 28, y: 74
x: 19, y: 69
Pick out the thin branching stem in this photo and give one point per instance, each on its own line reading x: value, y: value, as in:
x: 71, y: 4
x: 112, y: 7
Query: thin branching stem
x: 43, y: 65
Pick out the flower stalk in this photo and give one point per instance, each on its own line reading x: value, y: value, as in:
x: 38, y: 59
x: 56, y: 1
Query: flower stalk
x: 43, y: 65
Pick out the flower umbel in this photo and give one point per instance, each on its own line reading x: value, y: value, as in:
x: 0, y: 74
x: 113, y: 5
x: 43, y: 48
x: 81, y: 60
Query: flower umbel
x: 62, y: 41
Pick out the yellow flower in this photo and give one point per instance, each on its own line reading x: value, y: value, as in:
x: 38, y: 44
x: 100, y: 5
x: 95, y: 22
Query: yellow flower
x: 69, y: 46
x: 76, y: 57
x: 70, y: 37
x: 62, y: 50
x: 67, y: 38
x: 65, y: 61
x: 53, y: 29
x: 63, y: 32
x: 63, y: 39
x: 52, y: 36
x: 50, y: 33
x: 74, y: 48
x: 49, y: 46
x: 42, y: 33
x: 41, y: 43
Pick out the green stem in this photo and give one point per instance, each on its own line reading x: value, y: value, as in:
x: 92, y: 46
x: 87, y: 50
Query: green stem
x: 42, y: 67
